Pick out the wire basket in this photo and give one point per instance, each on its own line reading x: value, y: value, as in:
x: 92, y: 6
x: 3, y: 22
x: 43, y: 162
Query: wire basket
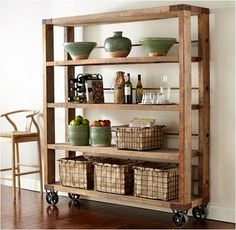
x: 76, y: 172
x: 114, y: 176
x: 139, y: 138
x: 156, y: 181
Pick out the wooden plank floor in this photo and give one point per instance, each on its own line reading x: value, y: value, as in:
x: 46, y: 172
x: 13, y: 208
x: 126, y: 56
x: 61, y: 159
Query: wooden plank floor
x: 32, y: 211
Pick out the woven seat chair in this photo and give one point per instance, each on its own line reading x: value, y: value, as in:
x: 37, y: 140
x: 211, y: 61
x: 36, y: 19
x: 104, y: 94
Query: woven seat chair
x: 15, y: 137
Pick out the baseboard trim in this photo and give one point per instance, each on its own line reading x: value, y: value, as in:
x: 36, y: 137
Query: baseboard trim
x: 214, y: 212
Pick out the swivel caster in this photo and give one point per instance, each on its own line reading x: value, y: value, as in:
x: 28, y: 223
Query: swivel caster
x: 180, y: 218
x: 74, y: 197
x: 52, y: 197
x: 200, y: 212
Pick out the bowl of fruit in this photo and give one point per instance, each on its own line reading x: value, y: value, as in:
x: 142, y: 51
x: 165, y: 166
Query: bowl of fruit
x: 78, y: 131
x: 100, y: 133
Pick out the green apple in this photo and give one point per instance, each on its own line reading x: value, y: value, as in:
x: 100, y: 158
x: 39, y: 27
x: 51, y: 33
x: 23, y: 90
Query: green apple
x: 85, y: 122
x: 74, y: 123
x: 79, y: 119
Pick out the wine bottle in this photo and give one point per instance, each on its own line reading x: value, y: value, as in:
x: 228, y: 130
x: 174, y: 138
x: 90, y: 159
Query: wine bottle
x: 79, y: 89
x: 139, y: 90
x: 73, y: 80
x: 128, y: 90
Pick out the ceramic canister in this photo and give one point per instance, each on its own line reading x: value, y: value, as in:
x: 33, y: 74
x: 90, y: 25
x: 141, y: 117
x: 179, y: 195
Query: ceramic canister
x: 78, y: 135
x: 118, y: 46
x: 100, y: 136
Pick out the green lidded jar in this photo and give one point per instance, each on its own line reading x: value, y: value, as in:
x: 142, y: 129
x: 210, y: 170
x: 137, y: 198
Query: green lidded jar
x: 78, y: 135
x: 100, y: 136
x: 118, y: 46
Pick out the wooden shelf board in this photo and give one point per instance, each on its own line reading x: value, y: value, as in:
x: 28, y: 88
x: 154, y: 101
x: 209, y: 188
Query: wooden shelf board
x: 124, y: 198
x: 158, y: 154
x: 126, y: 16
x: 170, y: 107
x: 118, y: 61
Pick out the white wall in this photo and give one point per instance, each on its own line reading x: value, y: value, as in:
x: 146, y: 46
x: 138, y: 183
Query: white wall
x: 21, y: 77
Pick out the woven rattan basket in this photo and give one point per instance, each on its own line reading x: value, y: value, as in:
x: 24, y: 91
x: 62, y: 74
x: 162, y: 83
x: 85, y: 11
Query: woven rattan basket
x: 156, y: 181
x: 114, y: 176
x: 139, y: 138
x: 76, y: 172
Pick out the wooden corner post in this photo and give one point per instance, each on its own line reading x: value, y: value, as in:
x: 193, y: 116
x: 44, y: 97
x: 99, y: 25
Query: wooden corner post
x: 69, y: 74
x: 204, y: 106
x: 185, y: 113
x: 48, y: 113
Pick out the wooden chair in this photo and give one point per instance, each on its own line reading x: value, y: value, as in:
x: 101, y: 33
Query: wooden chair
x: 16, y: 137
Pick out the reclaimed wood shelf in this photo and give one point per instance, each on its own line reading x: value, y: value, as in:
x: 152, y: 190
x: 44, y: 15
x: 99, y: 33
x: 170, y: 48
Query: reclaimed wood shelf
x: 158, y: 154
x: 119, y: 61
x: 154, y: 13
x: 184, y: 152
x: 74, y: 105
x: 123, y: 198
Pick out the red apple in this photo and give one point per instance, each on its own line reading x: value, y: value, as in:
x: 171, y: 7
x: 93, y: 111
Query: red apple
x: 95, y: 123
x: 103, y: 123
x: 108, y: 122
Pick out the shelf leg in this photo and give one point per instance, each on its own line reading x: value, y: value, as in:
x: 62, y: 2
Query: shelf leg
x: 204, y: 106
x: 69, y: 74
x: 48, y: 113
x: 185, y: 114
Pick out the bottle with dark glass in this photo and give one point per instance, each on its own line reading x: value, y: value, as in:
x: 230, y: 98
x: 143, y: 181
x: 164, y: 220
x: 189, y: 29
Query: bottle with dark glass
x: 128, y: 90
x: 79, y: 89
x: 139, y: 90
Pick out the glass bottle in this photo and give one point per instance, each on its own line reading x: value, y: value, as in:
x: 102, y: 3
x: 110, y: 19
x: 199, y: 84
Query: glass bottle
x: 165, y: 89
x: 139, y: 90
x: 128, y: 90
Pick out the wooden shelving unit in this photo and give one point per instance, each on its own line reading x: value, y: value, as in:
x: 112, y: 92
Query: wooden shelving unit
x: 183, y: 155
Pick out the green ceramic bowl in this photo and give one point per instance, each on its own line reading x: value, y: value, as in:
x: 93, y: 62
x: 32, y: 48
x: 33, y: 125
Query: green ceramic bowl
x: 157, y: 46
x: 79, y: 50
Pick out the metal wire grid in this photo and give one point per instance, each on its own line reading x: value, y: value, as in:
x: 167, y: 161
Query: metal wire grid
x: 76, y: 172
x: 114, y: 176
x: 156, y: 181
x: 139, y: 138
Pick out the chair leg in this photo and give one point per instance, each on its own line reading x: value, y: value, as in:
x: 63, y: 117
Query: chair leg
x: 17, y: 165
x: 13, y: 171
x: 40, y: 165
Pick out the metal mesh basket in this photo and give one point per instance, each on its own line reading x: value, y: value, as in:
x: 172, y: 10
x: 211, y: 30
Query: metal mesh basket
x: 76, y: 172
x: 156, y: 181
x: 139, y: 138
x: 114, y: 176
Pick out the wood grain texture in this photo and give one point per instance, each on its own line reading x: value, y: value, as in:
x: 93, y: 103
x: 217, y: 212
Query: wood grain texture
x: 123, y: 198
x: 126, y: 15
x: 204, y: 102
x: 171, y: 107
x: 118, y: 61
x: 87, y: 215
x: 158, y: 154
x: 185, y: 114
x: 48, y: 113
x: 69, y: 73
x: 193, y: 9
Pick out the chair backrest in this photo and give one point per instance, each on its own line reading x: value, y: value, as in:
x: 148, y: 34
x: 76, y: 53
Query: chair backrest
x: 29, y: 119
